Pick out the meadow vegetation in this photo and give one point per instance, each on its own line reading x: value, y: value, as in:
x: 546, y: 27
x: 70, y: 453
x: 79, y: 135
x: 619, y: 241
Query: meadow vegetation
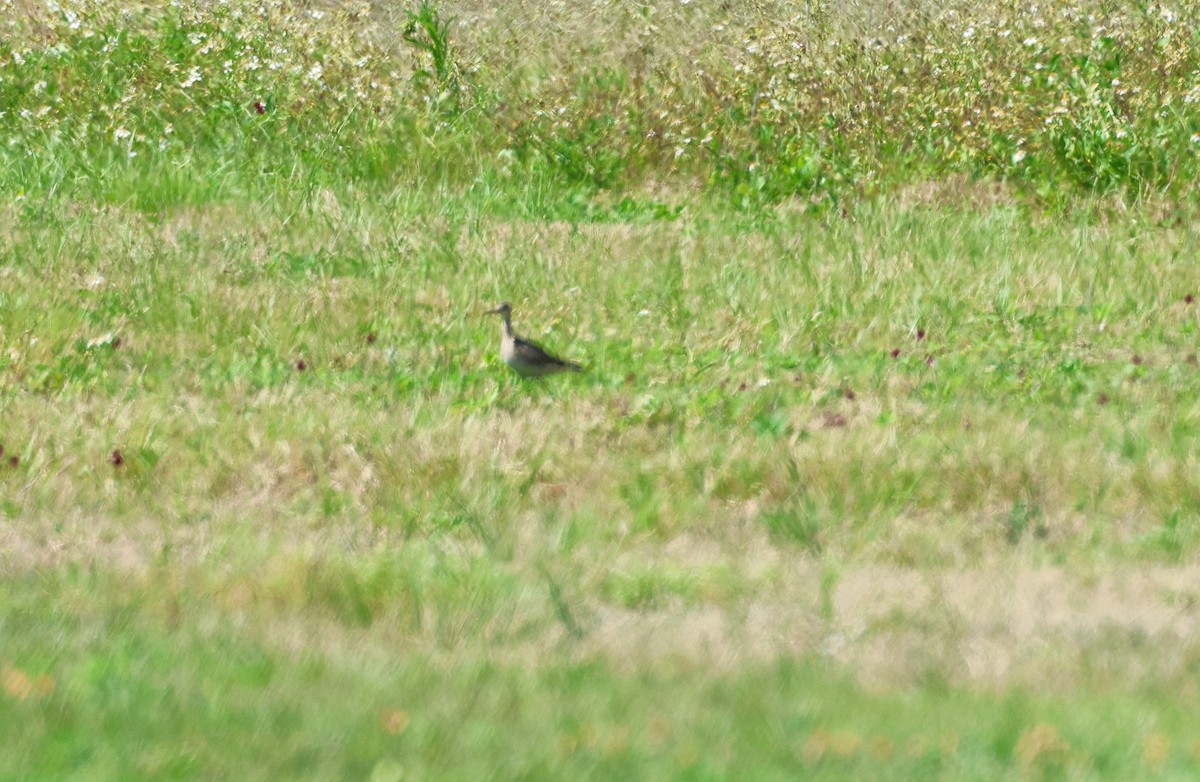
x: 884, y: 463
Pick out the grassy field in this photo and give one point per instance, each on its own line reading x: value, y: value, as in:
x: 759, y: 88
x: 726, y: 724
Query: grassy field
x: 883, y: 466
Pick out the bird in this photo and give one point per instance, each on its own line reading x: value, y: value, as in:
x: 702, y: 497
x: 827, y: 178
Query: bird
x: 526, y: 358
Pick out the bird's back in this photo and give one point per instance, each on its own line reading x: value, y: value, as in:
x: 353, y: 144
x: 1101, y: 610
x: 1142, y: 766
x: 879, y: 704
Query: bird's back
x: 530, y: 360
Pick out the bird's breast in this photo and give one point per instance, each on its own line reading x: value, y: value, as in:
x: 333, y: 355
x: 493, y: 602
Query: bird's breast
x: 508, y: 351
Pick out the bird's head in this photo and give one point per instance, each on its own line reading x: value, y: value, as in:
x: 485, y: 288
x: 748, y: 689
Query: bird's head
x: 504, y: 310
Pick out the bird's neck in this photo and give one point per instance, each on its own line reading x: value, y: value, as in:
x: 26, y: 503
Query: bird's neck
x: 506, y: 325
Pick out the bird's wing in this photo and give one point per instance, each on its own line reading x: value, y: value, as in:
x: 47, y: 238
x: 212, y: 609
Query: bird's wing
x: 534, y: 355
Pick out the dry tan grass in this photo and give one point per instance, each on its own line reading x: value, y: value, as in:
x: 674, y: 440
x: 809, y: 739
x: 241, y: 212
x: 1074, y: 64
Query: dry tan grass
x: 994, y: 626
x: 991, y: 628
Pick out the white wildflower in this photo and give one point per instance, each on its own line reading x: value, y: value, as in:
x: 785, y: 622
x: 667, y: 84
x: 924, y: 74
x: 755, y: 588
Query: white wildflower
x: 104, y: 339
x: 192, y: 78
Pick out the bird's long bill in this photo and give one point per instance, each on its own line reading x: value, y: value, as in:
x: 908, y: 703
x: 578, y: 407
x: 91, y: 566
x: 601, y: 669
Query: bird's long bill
x: 496, y: 311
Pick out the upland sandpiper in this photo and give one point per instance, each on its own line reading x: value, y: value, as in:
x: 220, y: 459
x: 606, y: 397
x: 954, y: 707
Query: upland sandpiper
x: 526, y: 358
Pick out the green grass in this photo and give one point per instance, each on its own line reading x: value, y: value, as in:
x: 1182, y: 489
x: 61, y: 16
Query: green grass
x: 883, y: 464
x: 190, y: 694
x: 282, y: 556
